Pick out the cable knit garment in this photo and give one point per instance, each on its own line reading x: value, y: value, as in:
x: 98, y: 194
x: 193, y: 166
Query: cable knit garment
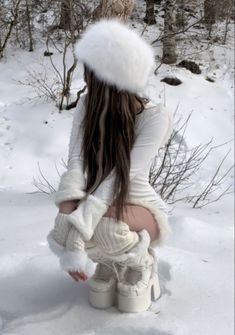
x: 153, y: 129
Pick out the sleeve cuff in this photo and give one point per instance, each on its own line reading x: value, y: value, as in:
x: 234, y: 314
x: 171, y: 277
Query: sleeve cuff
x: 88, y: 214
x: 71, y: 187
x: 77, y: 262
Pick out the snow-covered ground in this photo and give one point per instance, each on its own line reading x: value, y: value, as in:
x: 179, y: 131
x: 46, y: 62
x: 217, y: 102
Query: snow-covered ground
x: 195, y: 267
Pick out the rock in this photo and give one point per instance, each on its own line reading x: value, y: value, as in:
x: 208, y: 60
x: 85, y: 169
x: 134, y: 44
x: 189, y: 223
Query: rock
x: 47, y: 53
x: 211, y: 80
x: 191, y: 66
x: 173, y: 81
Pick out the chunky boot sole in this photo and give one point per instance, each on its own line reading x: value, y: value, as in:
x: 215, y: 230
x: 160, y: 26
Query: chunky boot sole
x: 140, y: 303
x: 102, y: 300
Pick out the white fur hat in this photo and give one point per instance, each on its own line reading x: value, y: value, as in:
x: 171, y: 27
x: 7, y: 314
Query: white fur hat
x: 116, y: 54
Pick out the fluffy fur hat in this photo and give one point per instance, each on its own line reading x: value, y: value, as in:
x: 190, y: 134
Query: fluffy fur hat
x: 116, y: 54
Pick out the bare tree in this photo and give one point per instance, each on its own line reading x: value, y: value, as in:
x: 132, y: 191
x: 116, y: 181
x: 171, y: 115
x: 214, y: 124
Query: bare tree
x: 65, y: 14
x: 114, y: 8
x: 150, y: 14
x: 7, y: 22
x: 79, y: 17
x: 176, y: 170
x: 169, y: 41
x: 210, y: 11
x: 207, y: 194
x: 180, y: 18
x: 218, y: 10
x: 227, y: 12
x: 28, y: 18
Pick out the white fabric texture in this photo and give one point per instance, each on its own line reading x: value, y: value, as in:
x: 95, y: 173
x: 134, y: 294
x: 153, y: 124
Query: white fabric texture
x: 135, y: 252
x: 57, y: 237
x: 74, y: 257
x: 71, y: 186
x: 114, y: 237
x: 72, y: 182
x: 153, y: 128
x: 61, y: 229
x: 66, y: 242
x: 117, y: 55
x: 77, y: 262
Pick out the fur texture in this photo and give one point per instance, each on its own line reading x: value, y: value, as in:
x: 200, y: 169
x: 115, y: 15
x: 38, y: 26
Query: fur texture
x: 77, y: 261
x: 71, y: 186
x: 88, y: 214
x: 117, y: 55
x: 71, y: 260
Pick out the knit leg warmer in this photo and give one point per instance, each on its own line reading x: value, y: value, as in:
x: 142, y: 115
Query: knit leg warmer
x: 114, y: 237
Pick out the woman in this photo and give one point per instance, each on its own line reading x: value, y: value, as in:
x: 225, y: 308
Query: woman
x: 108, y: 212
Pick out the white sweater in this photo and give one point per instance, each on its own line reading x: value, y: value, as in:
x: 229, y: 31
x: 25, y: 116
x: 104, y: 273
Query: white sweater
x: 153, y: 129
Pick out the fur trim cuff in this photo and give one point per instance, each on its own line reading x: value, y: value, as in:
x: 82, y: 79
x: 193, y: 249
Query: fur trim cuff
x: 77, y: 262
x: 88, y: 214
x: 71, y: 187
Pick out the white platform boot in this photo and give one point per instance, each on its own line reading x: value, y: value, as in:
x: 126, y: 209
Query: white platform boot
x: 102, y: 287
x: 111, y: 238
x: 127, y: 278
x: 103, y: 284
x: 140, y: 283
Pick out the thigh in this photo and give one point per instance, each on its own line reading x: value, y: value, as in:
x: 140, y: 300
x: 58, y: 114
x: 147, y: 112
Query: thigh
x: 137, y: 218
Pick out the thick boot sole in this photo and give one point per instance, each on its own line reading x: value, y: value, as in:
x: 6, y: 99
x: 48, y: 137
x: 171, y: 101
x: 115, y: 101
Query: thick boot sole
x: 140, y: 303
x: 102, y: 300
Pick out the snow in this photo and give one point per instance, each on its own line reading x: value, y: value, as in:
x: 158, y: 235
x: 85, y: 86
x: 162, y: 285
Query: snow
x: 195, y: 267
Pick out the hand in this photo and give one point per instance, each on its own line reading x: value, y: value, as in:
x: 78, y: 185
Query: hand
x: 75, y: 260
x: 78, y: 276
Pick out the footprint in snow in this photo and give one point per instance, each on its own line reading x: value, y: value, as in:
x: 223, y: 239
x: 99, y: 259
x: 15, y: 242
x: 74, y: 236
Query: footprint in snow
x: 6, y: 134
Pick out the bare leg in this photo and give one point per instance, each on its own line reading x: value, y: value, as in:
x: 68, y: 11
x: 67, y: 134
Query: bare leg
x: 68, y: 207
x: 138, y: 218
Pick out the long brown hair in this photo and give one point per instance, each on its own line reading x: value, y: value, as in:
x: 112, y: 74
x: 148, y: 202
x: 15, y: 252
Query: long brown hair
x: 109, y: 135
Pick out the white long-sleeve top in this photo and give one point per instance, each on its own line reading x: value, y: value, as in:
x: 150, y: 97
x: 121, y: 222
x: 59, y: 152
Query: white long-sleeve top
x: 153, y: 129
